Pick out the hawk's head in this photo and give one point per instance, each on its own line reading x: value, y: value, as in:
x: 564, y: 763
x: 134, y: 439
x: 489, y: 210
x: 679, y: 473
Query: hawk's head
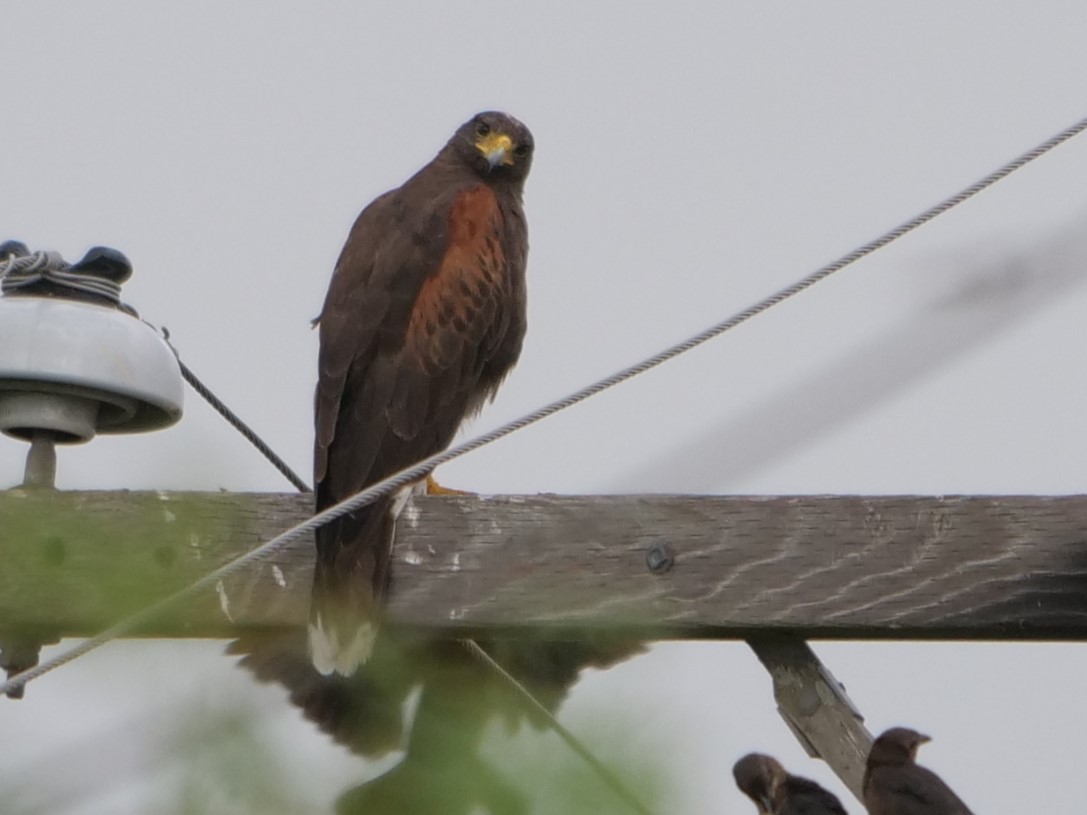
x: 495, y: 145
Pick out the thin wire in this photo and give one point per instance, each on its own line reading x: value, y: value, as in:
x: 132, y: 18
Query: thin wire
x: 572, y: 741
x: 416, y: 472
x: 21, y: 271
x: 241, y: 426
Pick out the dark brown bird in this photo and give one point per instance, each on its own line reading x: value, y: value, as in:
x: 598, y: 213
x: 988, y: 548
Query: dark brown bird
x: 424, y: 318
x: 762, y: 779
x: 895, y: 785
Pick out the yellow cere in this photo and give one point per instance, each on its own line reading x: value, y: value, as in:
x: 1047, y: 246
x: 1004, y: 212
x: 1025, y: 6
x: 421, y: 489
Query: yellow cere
x: 497, y: 147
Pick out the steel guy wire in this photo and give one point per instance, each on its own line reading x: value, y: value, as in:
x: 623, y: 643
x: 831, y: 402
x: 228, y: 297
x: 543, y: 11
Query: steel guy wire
x: 421, y: 469
x: 606, y: 774
x: 237, y: 423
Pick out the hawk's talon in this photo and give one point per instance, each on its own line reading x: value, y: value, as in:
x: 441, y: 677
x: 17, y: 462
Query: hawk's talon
x: 434, y: 488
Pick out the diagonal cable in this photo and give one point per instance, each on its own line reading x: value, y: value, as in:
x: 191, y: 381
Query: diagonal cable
x: 418, y: 471
x: 233, y: 418
x: 533, y: 704
x: 236, y: 422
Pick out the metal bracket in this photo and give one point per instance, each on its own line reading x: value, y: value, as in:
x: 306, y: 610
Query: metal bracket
x: 20, y: 652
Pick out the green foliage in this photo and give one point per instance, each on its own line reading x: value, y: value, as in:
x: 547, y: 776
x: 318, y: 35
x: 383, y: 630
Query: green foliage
x: 221, y: 757
x: 438, y: 708
x: 58, y: 551
x: 224, y: 766
x: 559, y: 782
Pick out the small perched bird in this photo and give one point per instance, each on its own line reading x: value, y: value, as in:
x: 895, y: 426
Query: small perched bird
x: 895, y: 785
x: 762, y: 779
x: 424, y: 318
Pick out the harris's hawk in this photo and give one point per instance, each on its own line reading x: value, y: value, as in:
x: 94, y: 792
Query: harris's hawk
x: 424, y: 318
x: 775, y: 792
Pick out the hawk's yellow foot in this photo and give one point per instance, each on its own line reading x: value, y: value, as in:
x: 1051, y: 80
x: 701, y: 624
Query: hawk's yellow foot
x: 434, y: 488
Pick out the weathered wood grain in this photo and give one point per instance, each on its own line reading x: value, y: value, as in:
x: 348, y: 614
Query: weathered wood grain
x: 816, y: 708
x: 1010, y: 567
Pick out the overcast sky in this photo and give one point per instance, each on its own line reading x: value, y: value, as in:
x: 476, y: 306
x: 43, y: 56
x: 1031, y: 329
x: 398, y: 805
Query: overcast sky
x: 691, y: 158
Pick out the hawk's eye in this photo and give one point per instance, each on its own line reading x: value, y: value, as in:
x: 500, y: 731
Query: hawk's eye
x: 521, y: 150
x: 482, y: 128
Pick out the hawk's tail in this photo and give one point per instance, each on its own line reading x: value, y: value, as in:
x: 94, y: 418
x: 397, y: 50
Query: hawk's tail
x: 364, y: 712
x: 349, y: 583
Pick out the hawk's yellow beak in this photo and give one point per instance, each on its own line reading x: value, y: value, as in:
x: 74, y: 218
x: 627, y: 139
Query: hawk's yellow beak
x: 497, y: 148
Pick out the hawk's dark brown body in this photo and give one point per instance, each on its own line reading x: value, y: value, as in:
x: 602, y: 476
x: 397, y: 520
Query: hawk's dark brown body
x: 424, y: 318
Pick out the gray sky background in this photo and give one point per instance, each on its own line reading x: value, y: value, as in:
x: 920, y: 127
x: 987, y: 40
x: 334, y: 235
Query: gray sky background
x: 691, y: 158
